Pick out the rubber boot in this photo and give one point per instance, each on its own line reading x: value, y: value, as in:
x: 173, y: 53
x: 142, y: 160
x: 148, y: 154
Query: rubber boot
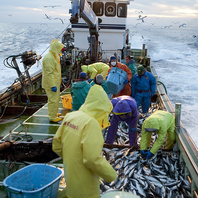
x: 56, y: 120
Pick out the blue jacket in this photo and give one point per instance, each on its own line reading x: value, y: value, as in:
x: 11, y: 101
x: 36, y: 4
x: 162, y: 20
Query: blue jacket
x: 145, y: 83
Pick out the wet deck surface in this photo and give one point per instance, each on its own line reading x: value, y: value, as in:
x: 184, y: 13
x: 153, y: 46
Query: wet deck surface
x: 38, y: 125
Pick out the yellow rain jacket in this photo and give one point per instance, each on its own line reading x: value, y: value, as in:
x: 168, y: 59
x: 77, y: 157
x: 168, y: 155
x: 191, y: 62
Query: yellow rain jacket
x: 51, y: 77
x: 79, y: 141
x: 95, y: 68
x: 164, y: 122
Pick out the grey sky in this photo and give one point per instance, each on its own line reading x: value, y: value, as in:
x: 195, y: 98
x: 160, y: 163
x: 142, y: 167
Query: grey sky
x: 158, y: 12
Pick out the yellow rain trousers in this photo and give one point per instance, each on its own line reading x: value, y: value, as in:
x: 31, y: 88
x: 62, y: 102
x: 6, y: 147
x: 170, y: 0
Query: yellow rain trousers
x: 79, y: 141
x: 51, y: 77
x: 164, y: 122
x: 96, y: 68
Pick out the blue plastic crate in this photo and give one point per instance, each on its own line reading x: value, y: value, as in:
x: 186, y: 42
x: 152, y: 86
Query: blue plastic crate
x: 115, y: 80
x: 34, y: 181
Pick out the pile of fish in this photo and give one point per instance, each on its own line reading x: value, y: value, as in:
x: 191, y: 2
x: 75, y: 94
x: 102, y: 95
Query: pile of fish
x: 161, y: 176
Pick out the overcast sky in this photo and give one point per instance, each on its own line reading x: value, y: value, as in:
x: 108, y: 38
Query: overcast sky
x: 160, y: 12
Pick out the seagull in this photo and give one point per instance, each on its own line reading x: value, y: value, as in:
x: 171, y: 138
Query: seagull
x: 167, y: 26
x: 48, y: 17
x: 182, y: 25
x: 59, y: 19
x: 139, y: 11
x: 9, y: 15
x: 141, y: 18
x: 52, y: 6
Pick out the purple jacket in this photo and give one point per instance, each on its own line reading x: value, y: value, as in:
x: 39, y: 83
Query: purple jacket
x: 124, y: 104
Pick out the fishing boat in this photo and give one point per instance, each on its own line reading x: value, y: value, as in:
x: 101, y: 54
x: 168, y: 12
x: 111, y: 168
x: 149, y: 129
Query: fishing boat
x: 98, y: 30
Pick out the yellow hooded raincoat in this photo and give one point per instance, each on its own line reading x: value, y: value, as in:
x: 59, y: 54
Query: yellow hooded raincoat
x: 79, y: 142
x: 164, y: 122
x: 96, y: 68
x: 51, y: 77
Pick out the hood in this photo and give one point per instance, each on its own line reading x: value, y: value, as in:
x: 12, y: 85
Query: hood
x: 121, y: 107
x: 79, y: 84
x: 131, y: 61
x: 56, y: 46
x: 98, y: 105
x: 84, y: 68
x: 152, y: 123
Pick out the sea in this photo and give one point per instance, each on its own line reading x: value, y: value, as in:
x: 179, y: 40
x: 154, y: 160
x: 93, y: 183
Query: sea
x: 173, y: 51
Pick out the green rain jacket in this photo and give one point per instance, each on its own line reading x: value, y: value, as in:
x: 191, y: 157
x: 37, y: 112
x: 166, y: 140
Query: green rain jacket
x: 95, y: 68
x: 104, y: 85
x: 79, y: 91
x: 164, y: 122
x: 79, y: 141
x: 132, y: 67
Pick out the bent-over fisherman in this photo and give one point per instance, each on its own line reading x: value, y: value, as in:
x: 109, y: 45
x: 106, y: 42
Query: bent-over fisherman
x: 162, y: 123
x: 79, y: 141
x: 79, y: 91
x: 124, y: 109
x: 96, y: 68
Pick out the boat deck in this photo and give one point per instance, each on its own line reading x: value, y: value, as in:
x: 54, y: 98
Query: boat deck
x: 38, y: 126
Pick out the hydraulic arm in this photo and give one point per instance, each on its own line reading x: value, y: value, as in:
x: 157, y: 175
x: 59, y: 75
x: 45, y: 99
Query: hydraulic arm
x: 81, y: 9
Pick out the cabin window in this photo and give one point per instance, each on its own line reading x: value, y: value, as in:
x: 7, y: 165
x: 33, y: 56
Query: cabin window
x: 89, y: 3
x: 122, y: 10
x: 110, y: 9
x: 98, y: 8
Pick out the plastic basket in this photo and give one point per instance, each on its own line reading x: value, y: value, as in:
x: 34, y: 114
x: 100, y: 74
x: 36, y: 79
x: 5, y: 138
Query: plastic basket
x: 115, y: 80
x: 66, y: 100
x: 34, y: 181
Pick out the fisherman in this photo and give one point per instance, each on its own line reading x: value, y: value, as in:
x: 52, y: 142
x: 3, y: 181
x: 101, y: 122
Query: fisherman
x: 130, y: 63
x: 162, y: 123
x: 79, y: 91
x: 79, y: 142
x: 96, y: 68
x: 114, y: 63
x: 100, y: 81
x: 143, y: 86
x: 124, y: 109
x: 51, y: 79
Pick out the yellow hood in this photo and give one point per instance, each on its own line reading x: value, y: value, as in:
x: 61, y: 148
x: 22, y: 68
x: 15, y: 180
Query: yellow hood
x: 56, y: 46
x: 151, y: 122
x: 98, y: 105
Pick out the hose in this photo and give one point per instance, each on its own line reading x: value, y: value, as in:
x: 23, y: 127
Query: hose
x: 163, y: 86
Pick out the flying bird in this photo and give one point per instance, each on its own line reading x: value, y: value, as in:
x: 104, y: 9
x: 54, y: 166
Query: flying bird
x: 59, y: 19
x: 9, y: 15
x: 48, y: 17
x: 182, y: 25
x: 167, y: 26
x: 53, y: 6
x: 141, y: 18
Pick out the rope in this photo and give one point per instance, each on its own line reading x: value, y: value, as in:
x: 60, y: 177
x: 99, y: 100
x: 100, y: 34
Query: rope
x: 57, y: 37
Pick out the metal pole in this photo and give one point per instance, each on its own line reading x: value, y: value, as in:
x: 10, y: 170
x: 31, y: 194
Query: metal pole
x: 177, y: 114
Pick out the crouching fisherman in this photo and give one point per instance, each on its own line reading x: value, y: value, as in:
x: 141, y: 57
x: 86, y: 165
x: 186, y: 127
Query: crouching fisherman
x: 162, y: 123
x: 79, y: 141
x: 124, y: 109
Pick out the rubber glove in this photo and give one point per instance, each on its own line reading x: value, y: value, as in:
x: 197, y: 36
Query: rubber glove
x: 149, y: 155
x: 54, y: 89
x: 126, y: 81
x: 144, y: 152
x: 89, y: 80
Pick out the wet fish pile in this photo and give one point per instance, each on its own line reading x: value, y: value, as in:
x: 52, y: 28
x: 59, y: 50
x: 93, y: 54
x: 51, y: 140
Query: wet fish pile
x: 161, y: 176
